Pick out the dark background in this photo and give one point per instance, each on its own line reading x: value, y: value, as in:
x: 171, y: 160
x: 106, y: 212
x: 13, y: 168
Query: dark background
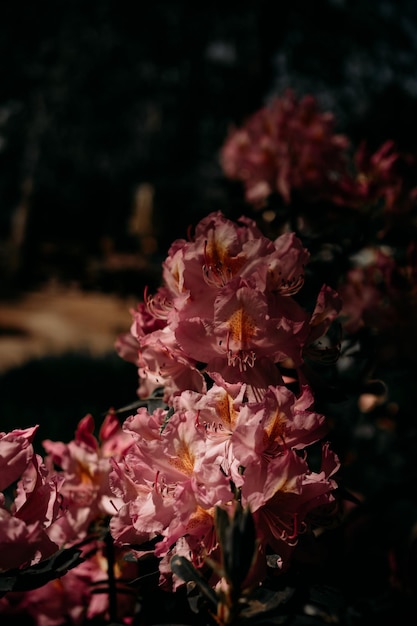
x: 98, y: 98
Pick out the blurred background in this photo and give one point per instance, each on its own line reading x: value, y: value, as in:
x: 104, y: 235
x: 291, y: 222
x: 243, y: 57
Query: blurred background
x: 112, y: 115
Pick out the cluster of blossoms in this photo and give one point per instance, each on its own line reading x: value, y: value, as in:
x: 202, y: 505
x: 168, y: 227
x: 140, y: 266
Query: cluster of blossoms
x: 54, y: 503
x: 284, y: 147
x: 290, y: 148
x: 218, y: 338
x: 214, y: 347
x: 379, y: 292
x: 226, y: 312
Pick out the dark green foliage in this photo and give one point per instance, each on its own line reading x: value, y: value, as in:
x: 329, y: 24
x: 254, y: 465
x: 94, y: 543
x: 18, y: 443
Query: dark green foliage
x: 35, y: 576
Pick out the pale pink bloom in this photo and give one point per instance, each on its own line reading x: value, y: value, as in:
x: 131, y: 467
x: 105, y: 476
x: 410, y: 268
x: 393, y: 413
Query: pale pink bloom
x: 289, y: 146
x: 85, y: 465
x: 285, y: 266
x: 281, y: 420
x: 137, y: 480
x: 28, y: 521
x: 238, y: 331
x: 218, y: 412
x: 16, y: 451
x: 163, y: 363
x: 179, y: 492
x: 220, y: 251
x: 246, y: 335
x: 223, y: 250
x: 273, y: 492
x: 135, y: 520
x: 191, y: 522
x: 292, y: 492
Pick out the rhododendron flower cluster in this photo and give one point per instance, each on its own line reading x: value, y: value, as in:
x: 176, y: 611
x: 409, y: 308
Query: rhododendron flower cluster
x: 179, y: 470
x: 213, y: 347
x: 61, y: 501
x: 226, y: 312
x: 289, y: 147
x: 286, y: 146
x: 84, y: 462
x: 214, y: 337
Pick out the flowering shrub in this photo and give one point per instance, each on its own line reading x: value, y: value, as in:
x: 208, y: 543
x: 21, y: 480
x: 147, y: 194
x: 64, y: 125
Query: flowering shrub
x: 215, y: 494
x: 228, y: 433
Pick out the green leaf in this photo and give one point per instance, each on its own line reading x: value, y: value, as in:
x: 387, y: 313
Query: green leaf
x: 185, y: 570
x: 265, y: 606
x: 169, y: 414
x: 35, y: 576
x: 237, y: 537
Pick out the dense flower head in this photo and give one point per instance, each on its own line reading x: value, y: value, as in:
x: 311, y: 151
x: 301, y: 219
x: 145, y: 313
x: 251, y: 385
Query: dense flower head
x: 226, y: 311
x: 84, y: 465
x: 57, y: 502
x: 289, y: 148
x: 288, y: 145
x: 185, y: 464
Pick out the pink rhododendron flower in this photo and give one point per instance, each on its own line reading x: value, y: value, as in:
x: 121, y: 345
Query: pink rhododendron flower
x: 16, y: 451
x: 289, y: 149
x: 185, y: 464
x: 291, y: 492
x: 85, y: 465
x: 227, y: 311
x: 288, y: 146
x: 381, y: 177
x: 29, y: 514
x: 373, y: 290
x: 163, y: 363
